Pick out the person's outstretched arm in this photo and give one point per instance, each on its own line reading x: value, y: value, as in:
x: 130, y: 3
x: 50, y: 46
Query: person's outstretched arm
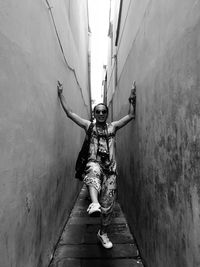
x: 131, y: 114
x: 73, y: 116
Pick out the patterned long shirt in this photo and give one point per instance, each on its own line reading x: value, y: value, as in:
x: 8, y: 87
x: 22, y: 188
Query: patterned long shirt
x: 102, y: 147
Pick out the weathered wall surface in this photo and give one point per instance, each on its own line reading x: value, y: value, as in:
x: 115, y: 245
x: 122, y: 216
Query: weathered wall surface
x: 159, y: 154
x: 38, y: 143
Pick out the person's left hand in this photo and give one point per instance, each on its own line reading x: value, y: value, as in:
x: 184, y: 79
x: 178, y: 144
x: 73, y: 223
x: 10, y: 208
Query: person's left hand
x: 59, y: 88
x: 132, y: 98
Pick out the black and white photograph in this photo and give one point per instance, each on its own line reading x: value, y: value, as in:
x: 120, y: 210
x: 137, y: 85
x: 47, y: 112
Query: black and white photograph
x: 99, y: 133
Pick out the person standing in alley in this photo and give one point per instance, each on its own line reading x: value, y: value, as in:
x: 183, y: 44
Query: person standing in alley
x: 100, y: 173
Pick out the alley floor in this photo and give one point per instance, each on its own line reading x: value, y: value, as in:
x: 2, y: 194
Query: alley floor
x: 79, y: 247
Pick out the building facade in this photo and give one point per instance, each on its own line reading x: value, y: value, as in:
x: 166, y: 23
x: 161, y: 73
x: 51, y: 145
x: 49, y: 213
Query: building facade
x: 41, y: 42
x: 157, y: 44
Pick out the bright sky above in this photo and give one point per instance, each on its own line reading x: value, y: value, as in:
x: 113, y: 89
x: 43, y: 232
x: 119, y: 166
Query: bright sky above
x: 99, y: 23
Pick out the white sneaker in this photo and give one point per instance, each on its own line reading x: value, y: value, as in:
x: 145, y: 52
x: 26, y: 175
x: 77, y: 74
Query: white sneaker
x: 94, y: 209
x: 106, y: 243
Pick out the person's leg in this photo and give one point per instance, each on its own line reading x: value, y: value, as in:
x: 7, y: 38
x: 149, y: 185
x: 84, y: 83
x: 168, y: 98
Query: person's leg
x: 93, y: 194
x: 107, y: 200
x: 103, y: 229
x: 92, y: 180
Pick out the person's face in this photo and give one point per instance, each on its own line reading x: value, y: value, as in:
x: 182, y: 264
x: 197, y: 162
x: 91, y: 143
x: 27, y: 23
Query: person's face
x: 101, y: 114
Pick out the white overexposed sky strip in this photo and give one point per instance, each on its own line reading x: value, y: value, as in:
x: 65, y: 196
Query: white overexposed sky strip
x: 99, y: 24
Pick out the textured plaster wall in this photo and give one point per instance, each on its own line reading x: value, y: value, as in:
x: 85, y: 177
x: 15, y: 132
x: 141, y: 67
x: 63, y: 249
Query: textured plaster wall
x: 38, y: 143
x: 159, y: 153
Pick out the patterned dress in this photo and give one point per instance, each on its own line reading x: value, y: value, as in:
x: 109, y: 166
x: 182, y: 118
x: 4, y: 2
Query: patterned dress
x: 101, y: 168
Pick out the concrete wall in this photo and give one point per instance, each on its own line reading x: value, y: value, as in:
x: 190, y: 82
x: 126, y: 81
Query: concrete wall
x: 38, y: 143
x: 159, y: 154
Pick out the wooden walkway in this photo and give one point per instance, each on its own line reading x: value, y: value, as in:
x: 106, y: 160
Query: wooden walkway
x: 79, y: 247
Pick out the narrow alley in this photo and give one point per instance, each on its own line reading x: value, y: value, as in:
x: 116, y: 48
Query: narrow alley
x: 141, y: 113
x: 78, y: 246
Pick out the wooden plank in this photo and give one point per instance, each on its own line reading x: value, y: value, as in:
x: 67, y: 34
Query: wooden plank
x: 96, y: 251
x: 98, y: 263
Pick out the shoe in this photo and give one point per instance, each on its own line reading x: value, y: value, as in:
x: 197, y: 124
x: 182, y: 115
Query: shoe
x: 94, y: 209
x: 106, y: 243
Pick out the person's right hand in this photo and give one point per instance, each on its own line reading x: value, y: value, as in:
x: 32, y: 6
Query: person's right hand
x: 59, y: 88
